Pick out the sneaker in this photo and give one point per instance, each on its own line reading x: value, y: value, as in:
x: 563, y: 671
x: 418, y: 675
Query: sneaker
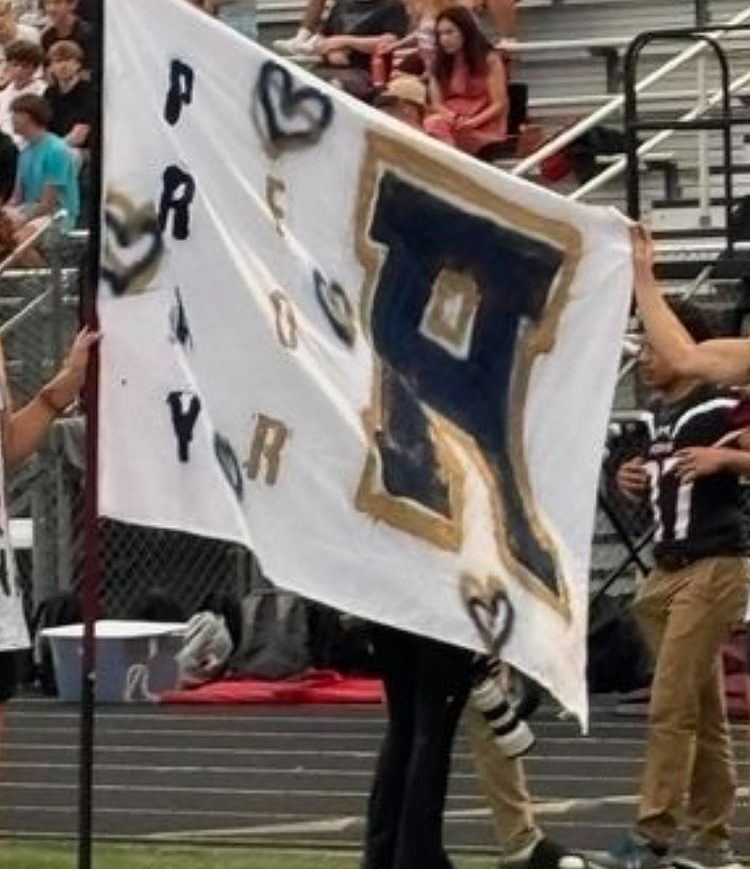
x: 634, y: 852
x: 303, y: 42
x: 542, y: 853
x: 698, y: 855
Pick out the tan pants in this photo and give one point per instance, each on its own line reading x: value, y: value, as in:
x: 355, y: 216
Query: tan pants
x: 504, y: 785
x: 685, y: 616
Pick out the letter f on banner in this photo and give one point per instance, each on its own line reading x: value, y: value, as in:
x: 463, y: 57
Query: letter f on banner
x: 457, y: 304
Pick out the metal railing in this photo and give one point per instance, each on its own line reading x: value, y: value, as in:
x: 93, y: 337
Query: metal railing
x: 616, y: 103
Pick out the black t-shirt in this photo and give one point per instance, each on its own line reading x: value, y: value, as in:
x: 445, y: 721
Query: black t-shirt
x: 366, y: 18
x: 703, y: 518
x: 85, y: 8
x: 71, y: 108
x: 82, y: 34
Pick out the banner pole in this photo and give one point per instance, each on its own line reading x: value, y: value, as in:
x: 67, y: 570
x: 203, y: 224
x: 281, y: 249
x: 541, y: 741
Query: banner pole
x: 90, y: 585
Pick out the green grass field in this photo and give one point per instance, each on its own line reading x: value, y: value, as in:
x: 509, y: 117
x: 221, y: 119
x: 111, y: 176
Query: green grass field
x: 55, y: 855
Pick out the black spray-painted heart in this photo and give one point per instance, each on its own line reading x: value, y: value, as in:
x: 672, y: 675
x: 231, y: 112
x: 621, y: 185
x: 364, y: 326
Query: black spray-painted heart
x: 133, y: 244
x: 491, y: 612
x: 288, y: 116
x: 337, y: 308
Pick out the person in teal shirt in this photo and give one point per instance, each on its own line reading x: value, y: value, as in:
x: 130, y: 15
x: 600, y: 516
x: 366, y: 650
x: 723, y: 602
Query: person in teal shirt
x: 46, y: 177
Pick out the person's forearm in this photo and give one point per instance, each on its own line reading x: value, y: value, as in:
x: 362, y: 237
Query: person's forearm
x: 724, y: 361
x: 77, y: 137
x: 489, y: 114
x: 362, y: 44
x: 26, y: 429
x: 735, y: 461
x: 667, y: 334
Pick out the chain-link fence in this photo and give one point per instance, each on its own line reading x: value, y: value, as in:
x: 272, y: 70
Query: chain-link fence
x: 38, y: 317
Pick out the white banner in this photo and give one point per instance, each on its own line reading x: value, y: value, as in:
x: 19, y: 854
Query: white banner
x: 383, y: 365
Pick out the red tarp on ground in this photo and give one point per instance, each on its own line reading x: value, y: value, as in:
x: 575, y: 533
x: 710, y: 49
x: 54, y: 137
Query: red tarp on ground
x: 315, y: 686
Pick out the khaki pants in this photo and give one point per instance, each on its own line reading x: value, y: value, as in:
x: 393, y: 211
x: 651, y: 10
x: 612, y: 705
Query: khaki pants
x: 685, y: 616
x: 504, y: 785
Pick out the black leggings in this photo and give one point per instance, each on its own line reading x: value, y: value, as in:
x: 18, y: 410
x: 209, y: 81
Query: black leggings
x: 8, y: 675
x: 426, y: 684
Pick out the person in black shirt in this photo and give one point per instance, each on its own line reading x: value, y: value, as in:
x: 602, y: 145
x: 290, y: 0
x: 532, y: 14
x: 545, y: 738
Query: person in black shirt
x: 686, y: 607
x: 65, y: 24
x: 69, y: 95
x: 351, y: 35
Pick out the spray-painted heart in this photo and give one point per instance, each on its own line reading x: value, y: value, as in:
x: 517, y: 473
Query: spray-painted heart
x: 491, y: 611
x: 288, y: 116
x: 337, y: 308
x: 133, y: 244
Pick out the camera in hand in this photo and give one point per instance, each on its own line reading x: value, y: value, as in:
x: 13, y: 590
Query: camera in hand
x: 511, y: 733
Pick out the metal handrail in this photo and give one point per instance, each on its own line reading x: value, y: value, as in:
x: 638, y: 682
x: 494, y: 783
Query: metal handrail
x: 593, y: 99
x: 542, y: 45
x: 28, y: 242
x: 617, y: 168
x: 588, y: 123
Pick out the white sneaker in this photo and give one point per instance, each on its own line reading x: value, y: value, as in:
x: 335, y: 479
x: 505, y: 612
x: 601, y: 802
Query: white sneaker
x: 303, y: 42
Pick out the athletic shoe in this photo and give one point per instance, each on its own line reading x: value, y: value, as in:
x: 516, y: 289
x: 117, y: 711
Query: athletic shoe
x: 302, y: 43
x: 541, y: 853
x: 696, y: 855
x: 634, y: 852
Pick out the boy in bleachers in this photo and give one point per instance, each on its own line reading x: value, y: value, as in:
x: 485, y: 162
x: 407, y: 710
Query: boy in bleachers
x: 65, y: 23
x: 69, y: 96
x: 23, y: 62
x: 47, y: 180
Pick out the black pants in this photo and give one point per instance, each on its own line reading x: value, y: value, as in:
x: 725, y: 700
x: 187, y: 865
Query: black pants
x: 426, y: 685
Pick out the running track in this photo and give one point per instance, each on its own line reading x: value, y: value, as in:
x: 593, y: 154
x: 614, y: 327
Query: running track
x: 296, y: 776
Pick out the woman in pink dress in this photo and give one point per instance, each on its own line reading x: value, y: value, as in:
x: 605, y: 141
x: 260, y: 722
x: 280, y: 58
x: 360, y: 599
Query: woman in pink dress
x: 468, y: 87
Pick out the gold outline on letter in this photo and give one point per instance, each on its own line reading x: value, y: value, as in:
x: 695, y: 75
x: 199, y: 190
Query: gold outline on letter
x: 408, y: 162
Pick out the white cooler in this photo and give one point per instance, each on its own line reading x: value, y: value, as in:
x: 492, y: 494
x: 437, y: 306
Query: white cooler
x: 135, y: 661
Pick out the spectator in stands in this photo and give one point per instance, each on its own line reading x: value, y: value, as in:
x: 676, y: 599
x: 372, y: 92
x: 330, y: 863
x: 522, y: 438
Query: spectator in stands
x: 415, y: 53
x: 8, y: 170
x: 47, y: 180
x: 468, y: 89
x: 24, y: 71
x: 502, y: 12
x: 404, y: 98
x: 353, y: 33
x: 64, y: 23
x: 85, y: 9
x: 496, y: 17
x: 303, y: 41
x: 348, y: 18
x: 70, y: 96
x: 31, y: 12
x: 687, y: 607
x: 11, y: 31
x: 22, y: 433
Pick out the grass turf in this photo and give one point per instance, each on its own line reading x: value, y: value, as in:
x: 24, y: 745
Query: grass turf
x: 17, y: 855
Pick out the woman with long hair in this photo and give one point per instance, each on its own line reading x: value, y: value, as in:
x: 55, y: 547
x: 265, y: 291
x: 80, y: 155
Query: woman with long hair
x: 468, y: 86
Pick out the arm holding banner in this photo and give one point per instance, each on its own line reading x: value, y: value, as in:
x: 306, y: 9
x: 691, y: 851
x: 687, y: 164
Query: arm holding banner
x: 25, y: 428
x: 724, y: 360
